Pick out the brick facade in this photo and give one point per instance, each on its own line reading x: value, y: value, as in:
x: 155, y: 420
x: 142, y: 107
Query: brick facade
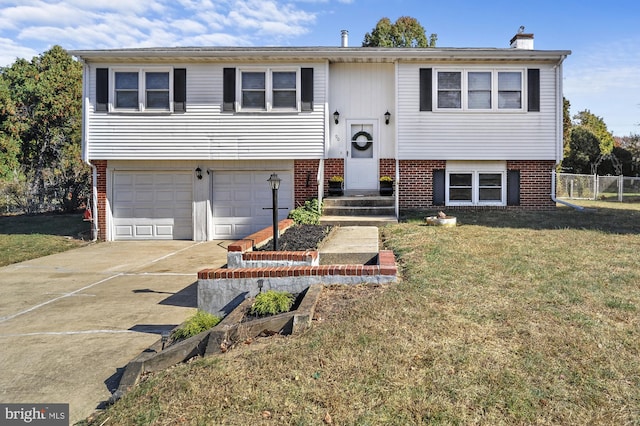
x: 332, y: 167
x: 535, y: 183
x: 101, y: 185
x: 416, y: 182
x: 388, y: 167
x: 305, y: 184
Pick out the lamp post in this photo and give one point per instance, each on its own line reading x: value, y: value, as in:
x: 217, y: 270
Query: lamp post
x: 274, y: 182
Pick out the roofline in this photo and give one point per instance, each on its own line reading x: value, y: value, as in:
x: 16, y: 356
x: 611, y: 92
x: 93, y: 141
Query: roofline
x: 337, y: 54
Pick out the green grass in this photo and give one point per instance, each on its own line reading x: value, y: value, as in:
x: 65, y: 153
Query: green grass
x: 27, y: 237
x: 196, y: 324
x: 509, y: 318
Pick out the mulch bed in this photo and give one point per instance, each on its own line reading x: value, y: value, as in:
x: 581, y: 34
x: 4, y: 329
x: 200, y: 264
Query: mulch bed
x: 299, y: 238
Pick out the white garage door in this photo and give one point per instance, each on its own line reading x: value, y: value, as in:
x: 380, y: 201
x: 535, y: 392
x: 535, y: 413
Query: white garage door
x: 239, y: 199
x: 152, y: 205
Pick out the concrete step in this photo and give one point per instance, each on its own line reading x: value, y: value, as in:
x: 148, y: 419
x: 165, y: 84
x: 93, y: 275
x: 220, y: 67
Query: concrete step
x: 358, y: 201
x: 358, y: 220
x: 358, y: 211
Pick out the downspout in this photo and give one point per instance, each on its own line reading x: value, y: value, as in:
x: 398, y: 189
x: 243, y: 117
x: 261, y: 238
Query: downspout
x: 85, y: 150
x: 559, y: 135
x: 395, y: 137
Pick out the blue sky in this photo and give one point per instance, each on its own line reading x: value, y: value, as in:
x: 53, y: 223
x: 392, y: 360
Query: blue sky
x: 602, y: 74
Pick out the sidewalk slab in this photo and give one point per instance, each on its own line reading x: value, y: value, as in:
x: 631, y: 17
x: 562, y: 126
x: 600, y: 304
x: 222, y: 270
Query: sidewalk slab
x: 350, y: 245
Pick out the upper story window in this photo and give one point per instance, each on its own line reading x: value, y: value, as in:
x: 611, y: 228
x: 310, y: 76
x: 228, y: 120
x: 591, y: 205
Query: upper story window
x: 141, y: 90
x: 269, y: 90
x: 509, y: 90
x: 479, y: 90
x: 449, y: 89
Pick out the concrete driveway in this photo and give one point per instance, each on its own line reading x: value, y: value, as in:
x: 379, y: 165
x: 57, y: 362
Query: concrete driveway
x: 70, y: 322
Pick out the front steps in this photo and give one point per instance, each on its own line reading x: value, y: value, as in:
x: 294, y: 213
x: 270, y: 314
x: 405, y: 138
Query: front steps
x: 358, y: 209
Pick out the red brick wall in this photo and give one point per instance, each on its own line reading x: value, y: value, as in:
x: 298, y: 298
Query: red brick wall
x: 388, y: 167
x: 101, y: 184
x: 535, y: 183
x: 332, y: 167
x: 305, y: 173
x: 416, y: 182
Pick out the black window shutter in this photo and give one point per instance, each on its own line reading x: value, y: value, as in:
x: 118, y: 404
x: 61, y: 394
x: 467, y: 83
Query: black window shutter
x: 513, y: 187
x: 439, y: 183
x: 179, y: 90
x: 229, y: 89
x: 306, y: 95
x: 533, y: 89
x: 425, y: 89
x: 102, y: 89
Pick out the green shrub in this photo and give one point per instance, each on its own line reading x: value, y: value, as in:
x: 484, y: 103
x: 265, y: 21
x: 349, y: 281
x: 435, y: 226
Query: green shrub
x: 308, y: 214
x: 272, y: 302
x: 199, y: 322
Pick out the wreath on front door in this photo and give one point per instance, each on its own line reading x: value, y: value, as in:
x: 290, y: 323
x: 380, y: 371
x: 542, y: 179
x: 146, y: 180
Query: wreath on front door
x: 356, y: 145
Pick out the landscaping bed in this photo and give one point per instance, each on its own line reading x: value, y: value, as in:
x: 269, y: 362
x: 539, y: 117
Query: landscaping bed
x: 299, y: 238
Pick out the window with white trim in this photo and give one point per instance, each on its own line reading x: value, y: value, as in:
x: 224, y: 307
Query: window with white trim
x: 509, y: 90
x: 269, y: 89
x: 467, y: 90
x: 141, y: 90
x: 475, y: 188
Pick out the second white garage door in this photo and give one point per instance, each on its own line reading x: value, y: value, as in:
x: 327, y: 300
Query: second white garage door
x: 239, y: 200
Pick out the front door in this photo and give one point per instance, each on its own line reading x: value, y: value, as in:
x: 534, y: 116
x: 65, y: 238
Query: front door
x: 361, y: 166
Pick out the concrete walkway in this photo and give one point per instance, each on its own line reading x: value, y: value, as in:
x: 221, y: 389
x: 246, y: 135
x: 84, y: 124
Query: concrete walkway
x: 350, y: 245
x: 70, y: 322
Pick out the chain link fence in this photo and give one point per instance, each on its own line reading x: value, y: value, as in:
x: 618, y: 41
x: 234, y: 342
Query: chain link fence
x: 594, y: 187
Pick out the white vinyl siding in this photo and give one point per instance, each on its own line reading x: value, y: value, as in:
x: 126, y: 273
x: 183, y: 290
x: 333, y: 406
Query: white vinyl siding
x: 362, y: 92
x: 203, y: 132
x: 476, y: 134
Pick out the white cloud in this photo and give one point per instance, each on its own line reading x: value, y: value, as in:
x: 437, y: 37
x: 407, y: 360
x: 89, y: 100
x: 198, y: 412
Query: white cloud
x: 10, y: 51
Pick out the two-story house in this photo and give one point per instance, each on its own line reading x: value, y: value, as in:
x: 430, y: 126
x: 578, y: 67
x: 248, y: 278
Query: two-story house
x: 183, y: 140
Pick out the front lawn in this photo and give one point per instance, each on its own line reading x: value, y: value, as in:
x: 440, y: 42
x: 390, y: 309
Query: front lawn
x: 509, y: 318
x: 24, y: 237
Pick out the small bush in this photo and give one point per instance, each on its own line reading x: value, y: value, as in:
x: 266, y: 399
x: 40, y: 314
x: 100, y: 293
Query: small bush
x: 308, y: 214
x: 272, y: 302
x: 198, y: 323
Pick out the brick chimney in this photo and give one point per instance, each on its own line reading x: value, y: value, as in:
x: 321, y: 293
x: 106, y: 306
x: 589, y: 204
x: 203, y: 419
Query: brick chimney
x: 522, y: 40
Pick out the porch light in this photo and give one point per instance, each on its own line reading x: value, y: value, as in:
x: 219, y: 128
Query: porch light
x: 199, y: 173
x: 387, y: 117
x: 274, y: 181
x: 336, y: 116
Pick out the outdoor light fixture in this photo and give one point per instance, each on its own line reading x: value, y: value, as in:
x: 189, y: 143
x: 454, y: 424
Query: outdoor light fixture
x: 336, y: 116
x: 164, y: 337
x: 387, y: 117
x: 199, y: 173
x: 274, y: 182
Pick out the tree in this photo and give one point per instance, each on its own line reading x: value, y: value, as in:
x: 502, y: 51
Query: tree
x: 40, y: 113
x: 598, y: 127
x: 566, y: 126
x: 584, y: 149
x: 405, y: 32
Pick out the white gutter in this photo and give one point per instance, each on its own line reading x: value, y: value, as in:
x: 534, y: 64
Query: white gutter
x: 395, y: 137
x: 85, y: 150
